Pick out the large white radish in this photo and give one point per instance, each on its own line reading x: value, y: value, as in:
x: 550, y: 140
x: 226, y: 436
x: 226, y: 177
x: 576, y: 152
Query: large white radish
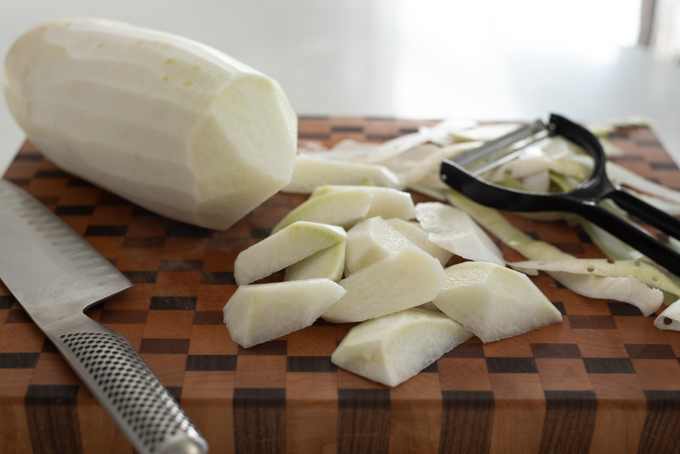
x: 170, y: 124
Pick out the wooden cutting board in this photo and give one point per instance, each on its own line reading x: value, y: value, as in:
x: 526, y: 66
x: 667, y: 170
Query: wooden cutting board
x: 605, y: 380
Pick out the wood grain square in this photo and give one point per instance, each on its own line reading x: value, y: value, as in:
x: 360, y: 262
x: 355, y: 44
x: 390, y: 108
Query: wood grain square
x: 208, y: 318
x: 467, y: 421
x: 21, y: 338
x: 52, y: 369
x: 463, y: 374
x: 259, y: 420
x: 182, y: 248
x: 608, y: 365
x: 18, y: 360
x: 109, y: 215
x: 133, y: 333
x: 591, y: 322
x: 211, y: 340
x: 554, y: 350
x: 466, y: 350
x: 563, y: 374
x: 139, y: 258
x: 214, y: 297
x: 179, y: 283
x: 123, y: 317
x: 168, y: 367
x: 311, y: 412
x: 559, y: 333
x: 416, y: 415
x: 13, y: 390
x: 220, y: 260
x: 578, y: 305
x: 261, y: 372
x: 525, y: 387
x: 639, y: 330
x: 208, y: 385
x: 659, y: 433
x: 650, y: 351
x: 169, y: 324
x: 511, y: 365
x: 312, y: 341
x: 109, y: 247
x: 177, y: 346
x: 569, y: 421
x: 309, y: 364
x: 349, y: 380
x: 600, y: 343
x: 363, y: 421
x: 658, y: 374
x: 270, y: 348
x: 148, y: 226
x: 137, y: 297
x: 215, y: 363
x: 517, y: 346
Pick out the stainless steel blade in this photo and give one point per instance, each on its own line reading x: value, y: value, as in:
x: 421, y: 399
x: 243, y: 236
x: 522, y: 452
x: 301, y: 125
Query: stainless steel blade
x: 51, y: 270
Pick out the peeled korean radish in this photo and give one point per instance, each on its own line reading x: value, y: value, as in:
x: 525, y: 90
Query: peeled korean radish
x: 168, y: 123
x: 328, y: 263
x: 394, y: 348
x: 387, y: 203
x: 369, y: 241
x: 400, y: 281
x: 494, y: 302
x: 454, y: 230
x: 311, y: 172
x: 415, y: 234
x: 261, y: 312
x: 286, y: 247
x: 343, y: 208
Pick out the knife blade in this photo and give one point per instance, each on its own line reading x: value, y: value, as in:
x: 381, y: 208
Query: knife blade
x: 56, y: 274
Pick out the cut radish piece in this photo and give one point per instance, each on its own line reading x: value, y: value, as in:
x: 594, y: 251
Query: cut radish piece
x: 308, y: 173
x: 387, y: 203
x: 343, y: 209
x: 369, y: 241
x: 403, y: 280
x: 415, y: 234
x: 262, y: 312
x: 394, y: 348
x: 328, y: 263
x: 288, y: 246
x: 494, y: 302
x: 455, y: 231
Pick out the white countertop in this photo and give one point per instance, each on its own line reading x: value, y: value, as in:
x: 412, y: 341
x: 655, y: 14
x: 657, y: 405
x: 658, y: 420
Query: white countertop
x: 407, y: 59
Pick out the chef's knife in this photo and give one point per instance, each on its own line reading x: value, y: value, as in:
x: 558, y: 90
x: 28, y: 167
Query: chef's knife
x: 55, y: 274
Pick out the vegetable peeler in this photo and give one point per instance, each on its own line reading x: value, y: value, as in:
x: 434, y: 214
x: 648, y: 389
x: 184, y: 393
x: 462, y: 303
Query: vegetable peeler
x: 462, y: 174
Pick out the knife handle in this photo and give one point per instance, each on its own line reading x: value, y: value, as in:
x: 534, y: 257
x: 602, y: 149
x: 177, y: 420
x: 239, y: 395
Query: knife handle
x: 125, y: 386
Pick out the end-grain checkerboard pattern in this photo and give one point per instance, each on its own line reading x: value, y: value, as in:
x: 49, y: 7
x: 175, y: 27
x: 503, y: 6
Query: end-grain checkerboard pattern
x: 605, y: 380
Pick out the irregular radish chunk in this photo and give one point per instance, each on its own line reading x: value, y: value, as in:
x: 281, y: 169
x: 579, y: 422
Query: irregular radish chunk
x: 454, y: 230
x: 261, y: 312
x: 393, y: 348
x: 165, y: 122
x: 387, y: 203
x: 328, y: 263
x: 286, y: 247
x: 400, y: 281
x: 494, y: 302
x: 415, y: 234
x: 311, y: 172
x: 343, y: 208
x: 372, y: 240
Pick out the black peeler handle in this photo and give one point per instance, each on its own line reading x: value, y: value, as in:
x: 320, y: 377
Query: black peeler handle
x: 632, y: 235
x: 647, y: 213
